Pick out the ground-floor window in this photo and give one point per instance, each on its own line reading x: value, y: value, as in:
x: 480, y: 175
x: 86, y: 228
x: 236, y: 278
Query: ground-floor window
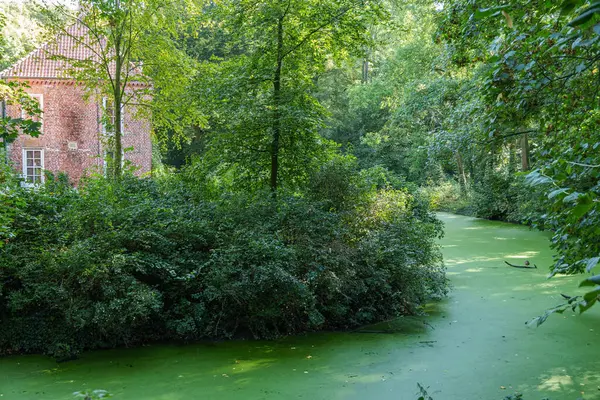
x: 37, y: 118
x: 109, y: 119
x: 109, y: 158
x: 33, y: 165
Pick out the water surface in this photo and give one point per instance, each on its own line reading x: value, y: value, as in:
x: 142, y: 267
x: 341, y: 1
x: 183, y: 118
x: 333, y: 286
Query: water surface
x: 474, y: 345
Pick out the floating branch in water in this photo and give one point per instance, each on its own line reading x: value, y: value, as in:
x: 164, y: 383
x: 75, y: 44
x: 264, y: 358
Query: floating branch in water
x: 526, y: 266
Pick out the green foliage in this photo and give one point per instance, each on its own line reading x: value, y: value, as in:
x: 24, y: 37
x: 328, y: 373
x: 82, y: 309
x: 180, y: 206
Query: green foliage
x: 137, y: 64
x: 571, y: 185
x: 11, y: 204
x: 13, y: 93
x: 385, y: 120
x: 500, y: 197
x: 492, y: 197
x: 266, y: 119
x: 11, y: 201
x: 20, y: 31
x: 447, y: 196
x: 114, y: 264
x: 22, y: 28
x: 541, y: 66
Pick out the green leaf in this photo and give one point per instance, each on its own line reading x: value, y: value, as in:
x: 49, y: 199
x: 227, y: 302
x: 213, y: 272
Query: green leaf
x: 486, y: 12
x: 581, y: 209
x: 584, y: 17
x: 557, y: 192
x: 572, y: 197
x: 568, y: 6
x: 591, y: 296
x: 591, y: 263
x: 536, y: 178
x: 584, y: 307
x: 593, y: 281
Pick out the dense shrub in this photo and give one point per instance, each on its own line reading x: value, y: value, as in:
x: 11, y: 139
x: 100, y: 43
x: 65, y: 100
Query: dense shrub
x: 498, y: 197
x: 491, y: 196
x: 448, y: 196
x: 526, y: 205
x: 9, y: 200
x: 506, y: 197
x: 119, y: 264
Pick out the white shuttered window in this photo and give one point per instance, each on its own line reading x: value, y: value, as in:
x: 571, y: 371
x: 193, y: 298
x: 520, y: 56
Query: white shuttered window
x: 33, y: 165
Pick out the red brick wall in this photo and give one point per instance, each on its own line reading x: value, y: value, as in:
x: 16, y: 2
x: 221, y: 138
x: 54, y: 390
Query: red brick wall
x: 137, y: 137
x: 67, y: 117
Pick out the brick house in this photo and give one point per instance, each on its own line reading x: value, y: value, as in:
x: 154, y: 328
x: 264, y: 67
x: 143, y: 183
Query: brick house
x: 73, y: 138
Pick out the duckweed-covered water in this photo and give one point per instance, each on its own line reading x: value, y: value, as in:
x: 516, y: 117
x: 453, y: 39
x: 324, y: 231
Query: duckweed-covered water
x: 475, y: 345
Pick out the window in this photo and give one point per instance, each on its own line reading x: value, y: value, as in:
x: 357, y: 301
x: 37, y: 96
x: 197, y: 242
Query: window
x: 109, y: 157
x: 33, y: 166
x: 108, y: 107
x: 38, y: 118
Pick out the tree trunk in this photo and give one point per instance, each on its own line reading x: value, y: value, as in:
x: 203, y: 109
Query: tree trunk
x: 512, y: 157
x: 4, y: 134
x: 365, y: 71
x: 276, y: 108
x: 118, y: 156
x: 472, y: 174
x: 525, y: 152
x: 490, y: 161
x: 461, y: 172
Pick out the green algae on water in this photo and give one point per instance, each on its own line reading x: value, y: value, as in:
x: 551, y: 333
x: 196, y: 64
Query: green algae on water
x: 473, y: 345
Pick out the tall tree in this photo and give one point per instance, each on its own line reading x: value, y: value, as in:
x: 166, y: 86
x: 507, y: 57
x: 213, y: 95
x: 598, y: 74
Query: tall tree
x: 130, y: 42
x: 263, y: 98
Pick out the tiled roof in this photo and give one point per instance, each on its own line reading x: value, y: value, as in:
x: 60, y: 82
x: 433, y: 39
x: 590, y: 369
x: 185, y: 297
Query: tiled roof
x: 51, y: 61
x: 41, y: 63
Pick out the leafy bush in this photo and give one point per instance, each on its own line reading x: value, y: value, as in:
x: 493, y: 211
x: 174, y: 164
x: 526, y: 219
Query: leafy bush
x: 447, y: 196
x: 526, y: 206
x: 499, y: 196
x: 491, y: 196
x: 114, y: 264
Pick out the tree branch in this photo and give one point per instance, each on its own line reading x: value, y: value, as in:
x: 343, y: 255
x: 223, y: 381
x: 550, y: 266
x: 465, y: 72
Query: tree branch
x: 511, y: 135
x: 583, y: 165
x: 310, y: 34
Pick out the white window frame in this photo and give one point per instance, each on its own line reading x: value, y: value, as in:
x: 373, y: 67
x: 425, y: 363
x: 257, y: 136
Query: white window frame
x: 40, y: 99
x: 104, y: 131
x: 42, y: 166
